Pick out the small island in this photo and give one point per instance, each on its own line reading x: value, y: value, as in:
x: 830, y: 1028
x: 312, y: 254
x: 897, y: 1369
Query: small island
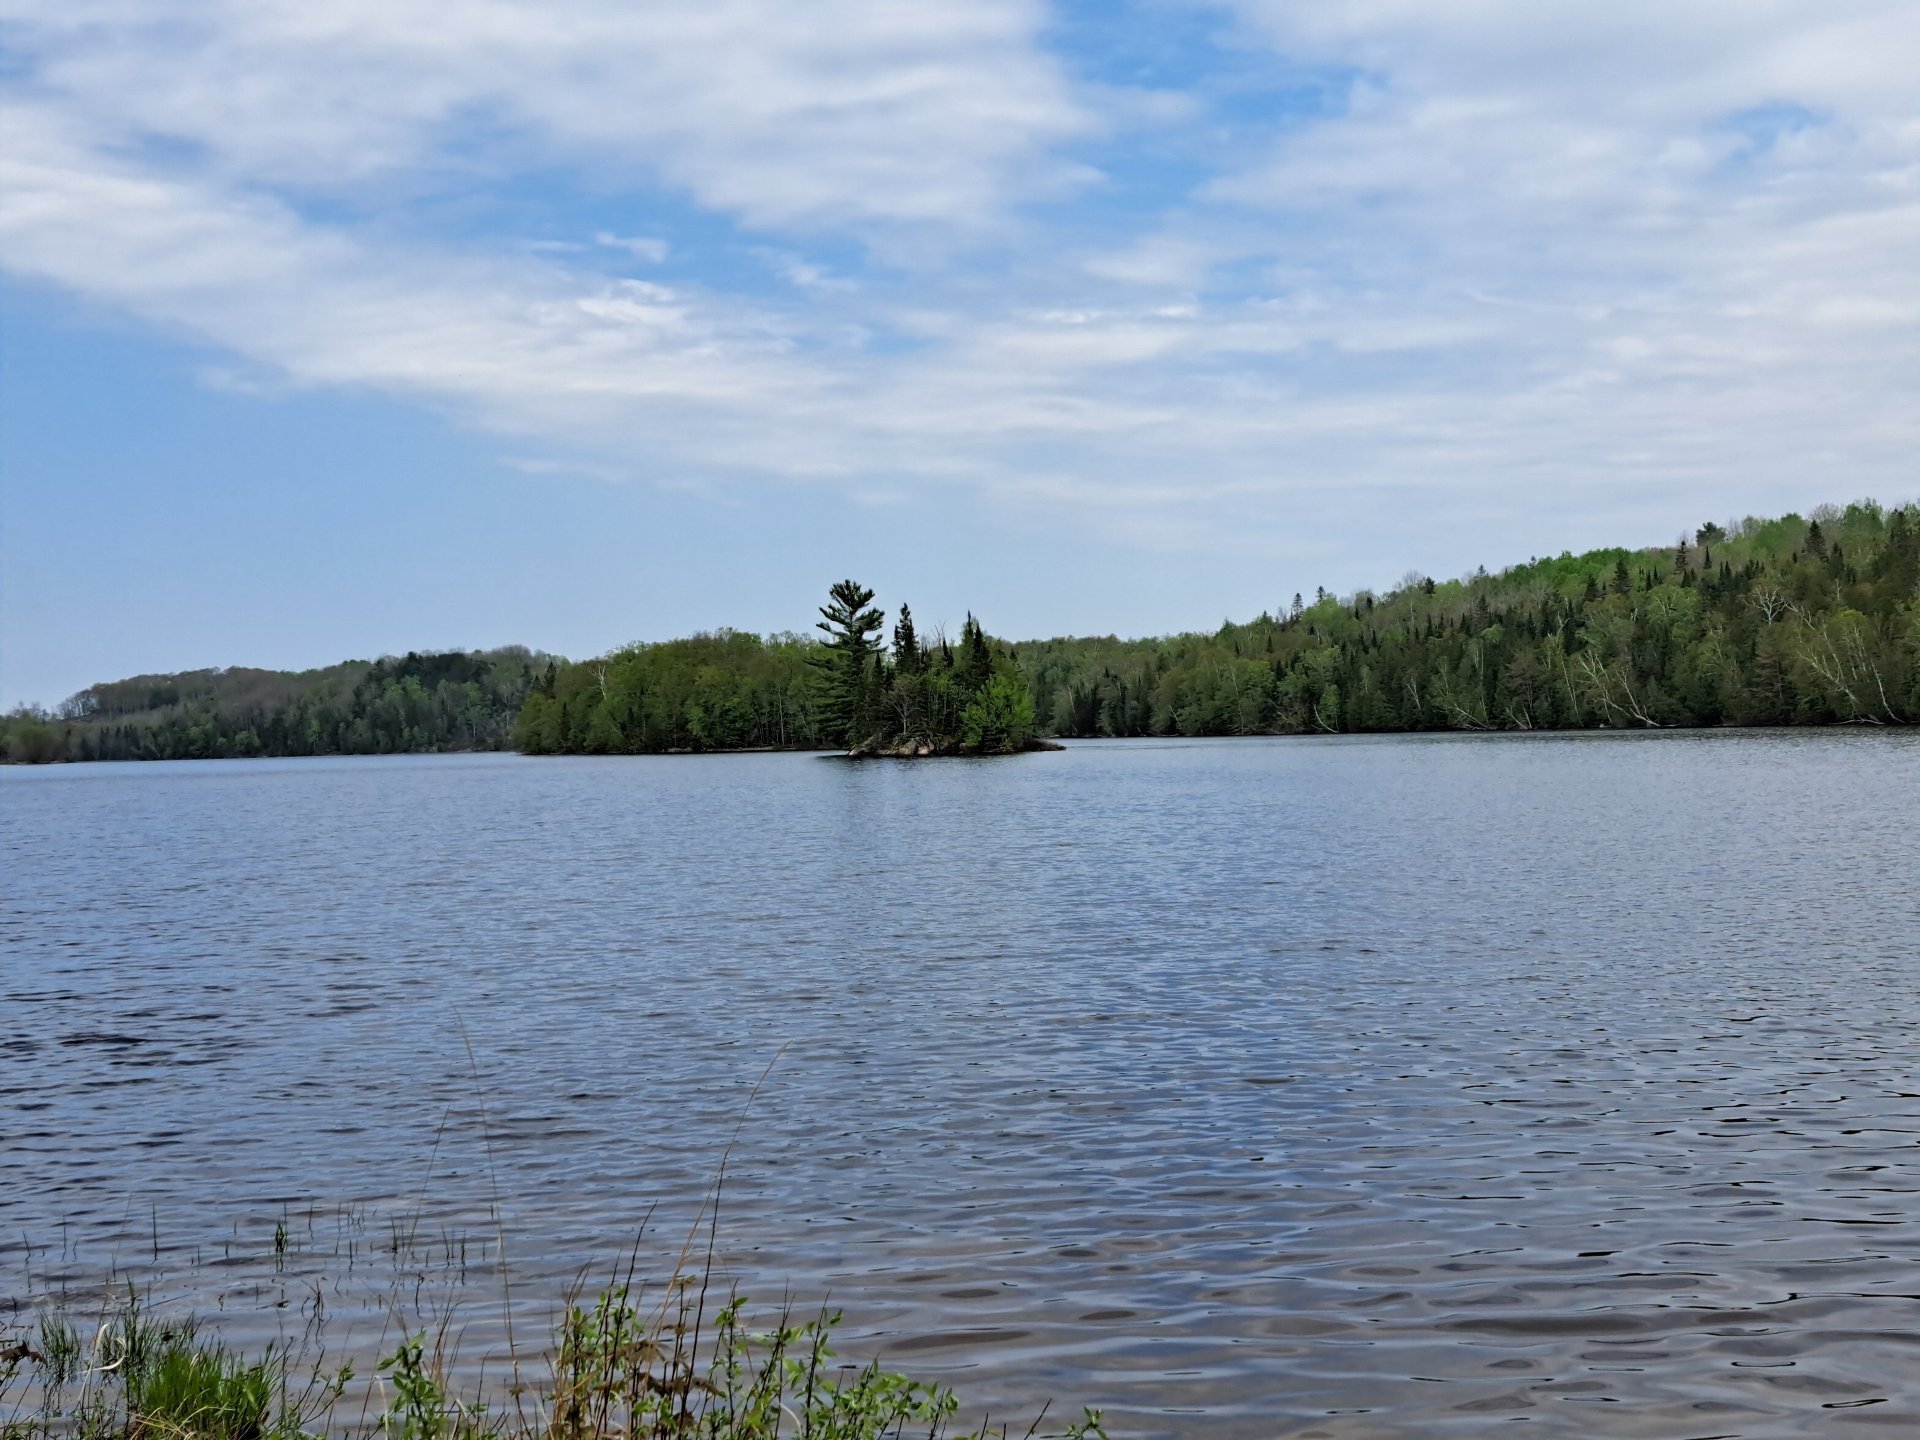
x: 1797, y: 620
x: 918, y: 700
x: 922, y: 700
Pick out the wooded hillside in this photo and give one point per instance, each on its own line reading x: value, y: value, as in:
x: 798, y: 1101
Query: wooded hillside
x: 415, y: 702
x: 1800, y: 620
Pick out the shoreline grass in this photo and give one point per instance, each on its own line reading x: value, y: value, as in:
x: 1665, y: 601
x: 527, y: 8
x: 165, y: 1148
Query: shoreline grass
x: 617, y: 1366
x: 678, y: 1359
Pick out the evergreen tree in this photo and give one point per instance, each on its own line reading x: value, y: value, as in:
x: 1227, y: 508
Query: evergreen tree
x: 846, y: 664
x: 1899, y: 562
x: 976, y: 660
x: 1784, y: 624
x: 908, y: 658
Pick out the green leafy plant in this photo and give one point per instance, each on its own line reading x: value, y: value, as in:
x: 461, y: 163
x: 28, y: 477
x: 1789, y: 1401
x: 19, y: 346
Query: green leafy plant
x: 421, y: 1409
x: 621, y: 1370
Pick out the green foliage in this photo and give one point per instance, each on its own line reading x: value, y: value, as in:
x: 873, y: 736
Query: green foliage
x: 848, y: 665
x: 999, y: 720
x: 415, y: 702
x: 618, y: 1371
x: 670, y: 1372
x: 725, y: 690
x: 420, y: 1409
x: 1749, y: 627
x: 1790, y: 621
x: 146, y: 1378
x: 202, y: 1392
x: 61, y: 1349
x: 32, y: 737
x: 975, y: 664
x: 1753, y: 627
x: 908, y: 657
x: 720, y: 690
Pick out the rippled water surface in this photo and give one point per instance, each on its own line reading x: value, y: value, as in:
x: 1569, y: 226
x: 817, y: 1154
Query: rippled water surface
x: 1345, y: 1087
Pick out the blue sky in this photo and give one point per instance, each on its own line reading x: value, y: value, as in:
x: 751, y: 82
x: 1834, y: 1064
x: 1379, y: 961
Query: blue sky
x: 350, y: 328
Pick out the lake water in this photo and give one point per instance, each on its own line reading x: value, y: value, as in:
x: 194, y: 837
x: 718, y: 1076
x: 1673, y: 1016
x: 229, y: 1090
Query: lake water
x: 1322, y: 1087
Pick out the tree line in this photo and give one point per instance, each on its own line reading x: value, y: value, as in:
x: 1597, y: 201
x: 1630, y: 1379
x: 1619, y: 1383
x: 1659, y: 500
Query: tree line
x: 727, y: 690
x: 1791, y: 621
x: 1797, y: 620
x: 416, y: 702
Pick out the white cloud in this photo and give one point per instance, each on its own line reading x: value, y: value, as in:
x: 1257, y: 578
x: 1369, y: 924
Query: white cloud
x: 650, y: 248
x: 1546, y: 257
x: 829, y: 114
x: 801, y: 272
x: 522, y: 343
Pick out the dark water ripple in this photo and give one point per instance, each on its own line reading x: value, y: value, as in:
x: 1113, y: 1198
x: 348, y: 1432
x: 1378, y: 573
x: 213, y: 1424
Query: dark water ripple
x: 1322, y: 1088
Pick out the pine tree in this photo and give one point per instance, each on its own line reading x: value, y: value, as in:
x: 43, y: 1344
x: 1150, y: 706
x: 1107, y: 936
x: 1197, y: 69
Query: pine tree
x: 908, y: 658
x: 1899, y: 561
x: 976, y: 660
x: 846, y: 664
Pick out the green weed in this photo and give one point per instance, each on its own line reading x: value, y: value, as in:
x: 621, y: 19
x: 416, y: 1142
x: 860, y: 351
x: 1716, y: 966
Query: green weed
x: 201, y: 1392
x: 619, y: 1372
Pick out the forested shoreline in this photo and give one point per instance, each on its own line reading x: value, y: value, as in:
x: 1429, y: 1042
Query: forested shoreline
x: 1799, y: 620
x: 1792, y: 621
x: 732, y: 691
x: 407, y: 704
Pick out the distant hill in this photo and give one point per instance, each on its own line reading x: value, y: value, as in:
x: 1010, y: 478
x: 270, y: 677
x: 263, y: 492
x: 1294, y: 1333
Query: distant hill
x: 1797, y: 620
x: 415, y: 702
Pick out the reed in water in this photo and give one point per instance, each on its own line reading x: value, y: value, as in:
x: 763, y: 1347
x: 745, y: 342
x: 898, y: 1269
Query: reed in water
x: 676, y: 1368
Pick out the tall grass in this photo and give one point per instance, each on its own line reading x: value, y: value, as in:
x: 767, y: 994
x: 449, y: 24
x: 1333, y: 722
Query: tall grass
x: 683, y: 1364
x: 616, y: 1369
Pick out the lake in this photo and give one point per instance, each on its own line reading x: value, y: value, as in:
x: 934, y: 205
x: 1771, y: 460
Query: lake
x: 1338, y: 1087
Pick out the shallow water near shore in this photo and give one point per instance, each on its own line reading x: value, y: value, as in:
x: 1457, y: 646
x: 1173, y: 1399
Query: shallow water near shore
x: 1336, y: 1087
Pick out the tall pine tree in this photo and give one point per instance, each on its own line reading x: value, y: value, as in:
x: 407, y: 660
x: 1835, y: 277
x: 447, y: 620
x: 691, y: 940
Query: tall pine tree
x: 976, y: 660
x: 848, y: 664
x: 908, y: 659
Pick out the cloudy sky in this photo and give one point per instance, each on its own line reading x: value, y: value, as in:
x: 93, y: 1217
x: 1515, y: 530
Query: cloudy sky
x: 346, y: 327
